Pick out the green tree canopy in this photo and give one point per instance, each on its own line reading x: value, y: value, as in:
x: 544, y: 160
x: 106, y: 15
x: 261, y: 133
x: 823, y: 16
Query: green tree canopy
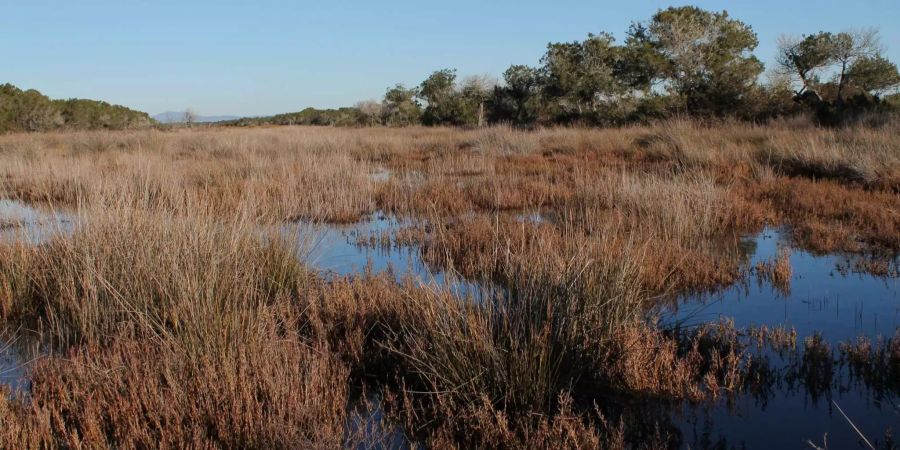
x: 29, y: 110
x: 829, y: 67
x: 518, y: 101
x: 580, y: 76
x: 443, y: 103
x: 873, y: 75
x: 401, y: 107
x: 703, y: 57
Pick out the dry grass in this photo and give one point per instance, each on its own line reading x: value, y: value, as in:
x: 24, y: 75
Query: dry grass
x: 178, y: 320
x: 686, y: 179
x: 275, y: 393
x: 200, y: 332
x: 777, y: 271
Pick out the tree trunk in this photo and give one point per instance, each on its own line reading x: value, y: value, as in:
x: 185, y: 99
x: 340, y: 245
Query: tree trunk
x: 841, y: 82
x: 481, y: 114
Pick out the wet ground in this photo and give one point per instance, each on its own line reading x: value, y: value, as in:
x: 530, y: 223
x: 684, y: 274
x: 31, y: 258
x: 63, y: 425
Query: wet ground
x: 825, y: 295
x: 19, y: 221
x: 13, y: 365
x: 335, y: 250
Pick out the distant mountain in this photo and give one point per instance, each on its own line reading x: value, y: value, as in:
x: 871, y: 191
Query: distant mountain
x: 178, y: 117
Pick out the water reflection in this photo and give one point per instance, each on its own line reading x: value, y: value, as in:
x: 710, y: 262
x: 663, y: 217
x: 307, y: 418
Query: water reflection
x: 369, y: 428
x: 790, y: 398
x: 794, y: 397
x: 13, y: 363
x: 347, y: 250
x: 823, y: 297
x: 19, y: 221
x: 795, y: 405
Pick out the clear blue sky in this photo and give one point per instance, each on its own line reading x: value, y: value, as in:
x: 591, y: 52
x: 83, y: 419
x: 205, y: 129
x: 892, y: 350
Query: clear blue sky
x: 261, y: 57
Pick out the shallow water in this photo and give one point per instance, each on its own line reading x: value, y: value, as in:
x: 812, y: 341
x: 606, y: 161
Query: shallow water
x: 380, y: 174
x: 367, y: 427
x: 335, y: 250
x: 840, y: 306
x: 13, y: 367
x: 330, y: 248
x: 789, y: 420
x: 822, y: 299
x: 534, y: 218
x: 19, y: 221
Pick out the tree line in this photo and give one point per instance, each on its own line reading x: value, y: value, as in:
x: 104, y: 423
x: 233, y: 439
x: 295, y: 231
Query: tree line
x: 29, y: 110
x: 683, y: 61
x: 347, y: 116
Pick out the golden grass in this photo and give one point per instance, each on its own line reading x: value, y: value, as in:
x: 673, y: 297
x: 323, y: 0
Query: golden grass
x: 777, y: 271
x: 178, y: 319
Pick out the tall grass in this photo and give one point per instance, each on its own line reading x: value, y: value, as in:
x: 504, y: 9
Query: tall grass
x: 176, y: 317
x: 133, y: 271
x: 524, y: 345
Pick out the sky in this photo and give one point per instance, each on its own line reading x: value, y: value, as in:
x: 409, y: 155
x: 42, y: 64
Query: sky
x: 270, y: 56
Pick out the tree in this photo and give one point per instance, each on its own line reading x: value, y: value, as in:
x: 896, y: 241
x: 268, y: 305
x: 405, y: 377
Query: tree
x: 849, y: 48
x: 853, y: 61
x: 401, y: 107
x: 519, y: 100
x: 27, y: 110
x: 475, y: 91
x: 443, y: 104
x: 371, y: 112
x: 805, y: 59
x: 22, y: 110
x: 189, y: 117
x: 580, y: 76
x: 703, y: 57
x: 36, y: 112
x: 873, y: 75
x: 640, y: 65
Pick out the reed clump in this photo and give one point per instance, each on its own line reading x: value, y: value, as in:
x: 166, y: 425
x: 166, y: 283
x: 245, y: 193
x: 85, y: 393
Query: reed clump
x: 210, y: 333
x: 177, y: 313
x: 143, y: 393
x: 777, y: 271
x: 834, y: 188
x: 127, y: 270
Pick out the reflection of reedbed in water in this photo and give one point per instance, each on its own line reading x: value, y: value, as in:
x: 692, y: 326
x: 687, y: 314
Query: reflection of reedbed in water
x: 799, y: 317
x: 842, y: 347
x: 14, y: 363
x: 813, y: 294
x: 370, y: 246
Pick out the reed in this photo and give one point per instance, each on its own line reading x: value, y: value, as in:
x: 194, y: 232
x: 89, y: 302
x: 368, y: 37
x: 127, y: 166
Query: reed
x: 178, y: 314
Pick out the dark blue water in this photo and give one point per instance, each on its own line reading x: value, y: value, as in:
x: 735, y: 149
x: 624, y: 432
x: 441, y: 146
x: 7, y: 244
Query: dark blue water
x: 840, y: 305
x: 837, y: 304
x: 13, y: 366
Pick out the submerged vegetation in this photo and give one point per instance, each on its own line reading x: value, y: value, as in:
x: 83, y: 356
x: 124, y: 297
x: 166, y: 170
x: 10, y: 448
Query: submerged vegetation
x: 178, y: 312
